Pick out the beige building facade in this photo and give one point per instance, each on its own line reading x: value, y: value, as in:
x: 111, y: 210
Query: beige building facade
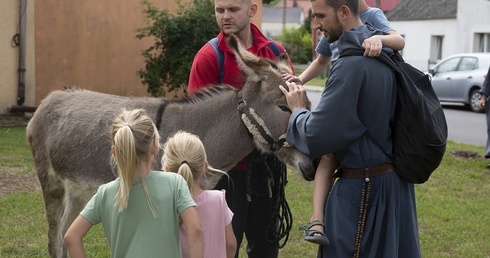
x: 91, y: 44
x: 10, y: 13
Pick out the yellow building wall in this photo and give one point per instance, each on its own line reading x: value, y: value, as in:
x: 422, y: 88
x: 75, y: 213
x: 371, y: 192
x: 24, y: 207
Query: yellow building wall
x: 91, y: 44
x: 9, y: 54
x: 86, y: 43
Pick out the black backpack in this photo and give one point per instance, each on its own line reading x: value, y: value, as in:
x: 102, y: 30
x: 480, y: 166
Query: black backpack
x: 419, y: 128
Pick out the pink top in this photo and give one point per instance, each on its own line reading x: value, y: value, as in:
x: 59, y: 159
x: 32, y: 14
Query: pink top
x: 214, y: 215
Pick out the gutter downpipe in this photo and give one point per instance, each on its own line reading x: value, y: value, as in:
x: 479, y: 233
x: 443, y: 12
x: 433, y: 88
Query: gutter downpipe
x: 22, y: 53
x: 21, y: 92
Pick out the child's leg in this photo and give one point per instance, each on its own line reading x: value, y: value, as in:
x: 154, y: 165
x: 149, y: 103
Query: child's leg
x: 314, y: 230
x: 321, y: 187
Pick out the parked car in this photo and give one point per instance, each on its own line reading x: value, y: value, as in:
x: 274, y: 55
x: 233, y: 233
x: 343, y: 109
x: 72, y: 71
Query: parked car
x: 458, y: 78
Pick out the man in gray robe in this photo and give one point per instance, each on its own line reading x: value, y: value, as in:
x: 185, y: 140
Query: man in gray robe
x: 370, y: 211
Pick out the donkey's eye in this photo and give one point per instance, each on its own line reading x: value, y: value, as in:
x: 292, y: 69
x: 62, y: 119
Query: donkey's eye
x: 285, y: 108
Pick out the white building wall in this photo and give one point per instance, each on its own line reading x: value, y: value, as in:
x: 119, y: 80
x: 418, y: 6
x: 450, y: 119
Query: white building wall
x: 418, y: 36
x: 273, y: 29
x: 473, y: 16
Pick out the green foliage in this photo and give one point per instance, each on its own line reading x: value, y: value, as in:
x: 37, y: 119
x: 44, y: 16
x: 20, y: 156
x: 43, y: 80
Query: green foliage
x: 307, y: 22
x: 298, y: 43
x: 177, y: 38
x: 270, y: 2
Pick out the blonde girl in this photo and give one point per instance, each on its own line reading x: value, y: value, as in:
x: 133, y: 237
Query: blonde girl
x: 184, y: 154
x: 140, y: 209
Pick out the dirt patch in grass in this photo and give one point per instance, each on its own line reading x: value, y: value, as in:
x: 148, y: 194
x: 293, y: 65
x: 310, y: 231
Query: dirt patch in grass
x: 14, y: 120
x: 13, y: 180
x: 465, y: 154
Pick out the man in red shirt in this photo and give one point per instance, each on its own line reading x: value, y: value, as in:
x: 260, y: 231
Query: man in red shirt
x: 255, y: 183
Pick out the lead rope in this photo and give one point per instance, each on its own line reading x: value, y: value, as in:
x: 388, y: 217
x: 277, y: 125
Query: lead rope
x: 280, y: 206
x: 284, y: 213
x: 366, y: 186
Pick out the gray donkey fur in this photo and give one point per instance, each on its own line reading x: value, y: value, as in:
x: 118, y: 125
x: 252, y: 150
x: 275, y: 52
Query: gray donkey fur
x: 70, y: 140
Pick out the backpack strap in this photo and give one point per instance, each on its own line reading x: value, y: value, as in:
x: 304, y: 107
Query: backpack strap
x: 274, y: 48
x: 219, y: 55
x: 373, y: 140
x: 382, y: 57
x: 221, y: 59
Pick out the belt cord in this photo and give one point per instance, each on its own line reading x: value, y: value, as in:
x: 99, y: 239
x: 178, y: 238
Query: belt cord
x: 366, y: 187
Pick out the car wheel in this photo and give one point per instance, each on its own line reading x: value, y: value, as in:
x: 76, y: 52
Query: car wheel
x: 475, y: 97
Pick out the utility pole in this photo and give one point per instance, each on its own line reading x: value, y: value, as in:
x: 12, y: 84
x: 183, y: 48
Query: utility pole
x: 284, y: 15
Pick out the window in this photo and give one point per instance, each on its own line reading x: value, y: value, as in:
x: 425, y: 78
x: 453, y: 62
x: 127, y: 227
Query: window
x: 481, y: 42
x: 449, y: 66
x: 436, y: 48
x: 468, y: 64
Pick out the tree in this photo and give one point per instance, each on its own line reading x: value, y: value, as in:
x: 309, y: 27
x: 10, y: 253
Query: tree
x: 298, y: 43
x: 177, y: 38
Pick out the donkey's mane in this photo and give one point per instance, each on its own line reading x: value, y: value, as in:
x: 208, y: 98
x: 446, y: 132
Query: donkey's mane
x: 71, y: 88
x: 205, y: 93
x: 201, y: 95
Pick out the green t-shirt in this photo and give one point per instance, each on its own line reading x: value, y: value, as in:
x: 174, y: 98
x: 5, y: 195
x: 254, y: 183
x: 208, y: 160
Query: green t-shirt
x: 135, y: 232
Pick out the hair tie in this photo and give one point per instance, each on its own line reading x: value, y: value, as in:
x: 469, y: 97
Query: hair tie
x: 129, y: 127
x: 184, y: 162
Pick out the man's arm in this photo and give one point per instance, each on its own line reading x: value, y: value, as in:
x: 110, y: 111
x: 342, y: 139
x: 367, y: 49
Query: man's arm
x: 485, y: 90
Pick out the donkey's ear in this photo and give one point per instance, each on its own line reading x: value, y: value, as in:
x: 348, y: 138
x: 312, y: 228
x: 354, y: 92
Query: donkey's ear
x: 283, y: 57
x: 283, y: 63
x: 254, y: 67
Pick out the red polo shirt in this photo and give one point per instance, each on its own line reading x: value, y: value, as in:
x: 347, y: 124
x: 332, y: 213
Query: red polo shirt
x: 205, y: 68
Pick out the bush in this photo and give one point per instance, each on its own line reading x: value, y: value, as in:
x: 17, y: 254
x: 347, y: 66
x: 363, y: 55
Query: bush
x: 298, y: 43
x: 177, y: 38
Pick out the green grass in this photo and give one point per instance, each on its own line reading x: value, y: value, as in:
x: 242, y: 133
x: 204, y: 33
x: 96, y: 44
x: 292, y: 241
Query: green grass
x: 317, y: 81
x: 453, y: 209
x: 14, y: 151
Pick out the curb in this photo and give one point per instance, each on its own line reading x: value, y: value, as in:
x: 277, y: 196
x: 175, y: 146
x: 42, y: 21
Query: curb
x: 313, y: 88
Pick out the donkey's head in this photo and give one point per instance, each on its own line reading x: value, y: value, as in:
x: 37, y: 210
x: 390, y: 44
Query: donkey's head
x: 264, y: 109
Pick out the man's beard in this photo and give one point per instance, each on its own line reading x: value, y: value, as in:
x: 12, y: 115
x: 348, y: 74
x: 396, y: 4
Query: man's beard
x: 237, y: 31
x: 335, y: 32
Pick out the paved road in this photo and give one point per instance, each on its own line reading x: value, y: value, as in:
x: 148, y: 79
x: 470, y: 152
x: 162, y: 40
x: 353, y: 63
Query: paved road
x: 464, y: 126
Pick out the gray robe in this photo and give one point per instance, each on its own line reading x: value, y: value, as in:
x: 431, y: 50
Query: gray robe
x: 359, y: 96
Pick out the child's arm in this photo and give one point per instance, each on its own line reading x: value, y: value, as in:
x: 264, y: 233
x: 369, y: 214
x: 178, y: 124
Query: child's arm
x: 195, y: 235
x: 315, y: 68
x: 374, y: 44
x: 230, y: 241
x: 74, y: 237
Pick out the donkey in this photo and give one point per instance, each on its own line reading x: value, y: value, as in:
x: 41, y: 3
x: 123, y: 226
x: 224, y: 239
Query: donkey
x: 69, y: 135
